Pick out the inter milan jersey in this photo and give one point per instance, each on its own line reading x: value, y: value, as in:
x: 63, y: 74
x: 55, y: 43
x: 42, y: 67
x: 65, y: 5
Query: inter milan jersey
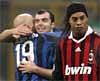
x: 41, y: 50
x: 78, y: 60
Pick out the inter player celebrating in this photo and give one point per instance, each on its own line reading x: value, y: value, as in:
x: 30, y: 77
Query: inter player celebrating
x: 23, y: 25
x: 78, y: 51
x: 34, y: 54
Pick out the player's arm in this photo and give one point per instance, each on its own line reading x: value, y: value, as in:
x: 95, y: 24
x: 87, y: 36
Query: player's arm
x: 31, y: 67
x: 57, y: 73
x: 5, y: 35
x: 14, y: 33
x: 47, y: 73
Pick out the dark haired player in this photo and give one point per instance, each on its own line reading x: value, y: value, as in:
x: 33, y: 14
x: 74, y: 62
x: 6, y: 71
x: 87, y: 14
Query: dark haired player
x: 78, y: 51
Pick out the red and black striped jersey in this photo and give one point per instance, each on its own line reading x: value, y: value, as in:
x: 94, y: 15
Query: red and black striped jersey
x: 78, y: 61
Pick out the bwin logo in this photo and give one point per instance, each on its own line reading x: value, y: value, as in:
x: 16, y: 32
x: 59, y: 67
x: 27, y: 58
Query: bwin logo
x: 78, y: 70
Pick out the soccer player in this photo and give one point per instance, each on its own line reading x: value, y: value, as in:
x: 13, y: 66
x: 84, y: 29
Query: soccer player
x: 35, y: 56
x: 45, y: 21
x: 34, y: 52
x: 78, y: 51
x: 19, y: 28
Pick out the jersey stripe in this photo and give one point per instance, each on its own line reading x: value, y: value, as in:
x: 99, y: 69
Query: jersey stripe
x: 63, y: 56
x: 72, y: 58
x: 77, y: 56
x: 81, y: 58
x: 86, y: 52
x: 69, y: 43
x: 90, y: 77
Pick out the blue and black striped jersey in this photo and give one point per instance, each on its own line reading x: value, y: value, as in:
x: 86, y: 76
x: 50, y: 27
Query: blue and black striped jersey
x: 41, y: 48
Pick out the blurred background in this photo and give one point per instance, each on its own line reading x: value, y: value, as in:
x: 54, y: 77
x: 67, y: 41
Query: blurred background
x: 10, y: 8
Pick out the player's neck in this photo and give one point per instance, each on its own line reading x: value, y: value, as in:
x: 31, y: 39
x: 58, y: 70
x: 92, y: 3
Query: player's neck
x: 78, y: 35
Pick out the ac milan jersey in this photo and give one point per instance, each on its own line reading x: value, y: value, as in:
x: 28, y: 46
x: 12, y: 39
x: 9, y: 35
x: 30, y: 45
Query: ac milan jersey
x: 41, y: 50
x: 78, y: 61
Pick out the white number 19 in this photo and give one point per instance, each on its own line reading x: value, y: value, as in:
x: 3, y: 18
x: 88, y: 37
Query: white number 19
x: 21, y: 50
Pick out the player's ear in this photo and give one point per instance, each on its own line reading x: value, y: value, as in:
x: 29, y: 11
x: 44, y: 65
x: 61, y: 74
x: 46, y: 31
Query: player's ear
x: 33, y: 29
x: 53, y: 25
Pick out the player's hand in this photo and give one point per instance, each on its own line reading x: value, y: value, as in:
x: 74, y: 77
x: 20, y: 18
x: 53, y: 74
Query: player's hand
x: 21, y: 30
x: 27, y: 67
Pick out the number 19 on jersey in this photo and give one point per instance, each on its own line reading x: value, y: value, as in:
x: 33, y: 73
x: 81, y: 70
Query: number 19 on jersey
x: 24, y: 52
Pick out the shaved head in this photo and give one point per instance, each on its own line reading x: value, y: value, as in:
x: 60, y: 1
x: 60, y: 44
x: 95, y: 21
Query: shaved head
x: 23, y: 19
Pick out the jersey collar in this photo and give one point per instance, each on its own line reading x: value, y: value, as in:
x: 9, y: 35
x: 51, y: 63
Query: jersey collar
x: 35, y: 35
x: 89, y: 31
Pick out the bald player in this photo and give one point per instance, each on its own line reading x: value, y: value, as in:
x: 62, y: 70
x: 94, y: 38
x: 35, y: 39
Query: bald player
x: 23, y: 25
x: 39, y: 49
x: 34, y: 54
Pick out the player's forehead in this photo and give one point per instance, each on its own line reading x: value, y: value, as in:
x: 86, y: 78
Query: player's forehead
x: 78, y: 14
x: 23, y: 18
x: 43, y: 15
x: 26, y: 16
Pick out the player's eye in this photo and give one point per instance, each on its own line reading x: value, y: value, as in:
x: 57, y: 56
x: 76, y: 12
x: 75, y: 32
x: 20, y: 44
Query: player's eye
x: 45, y: 19
x: 82, y: 18
x: 74, y: 19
